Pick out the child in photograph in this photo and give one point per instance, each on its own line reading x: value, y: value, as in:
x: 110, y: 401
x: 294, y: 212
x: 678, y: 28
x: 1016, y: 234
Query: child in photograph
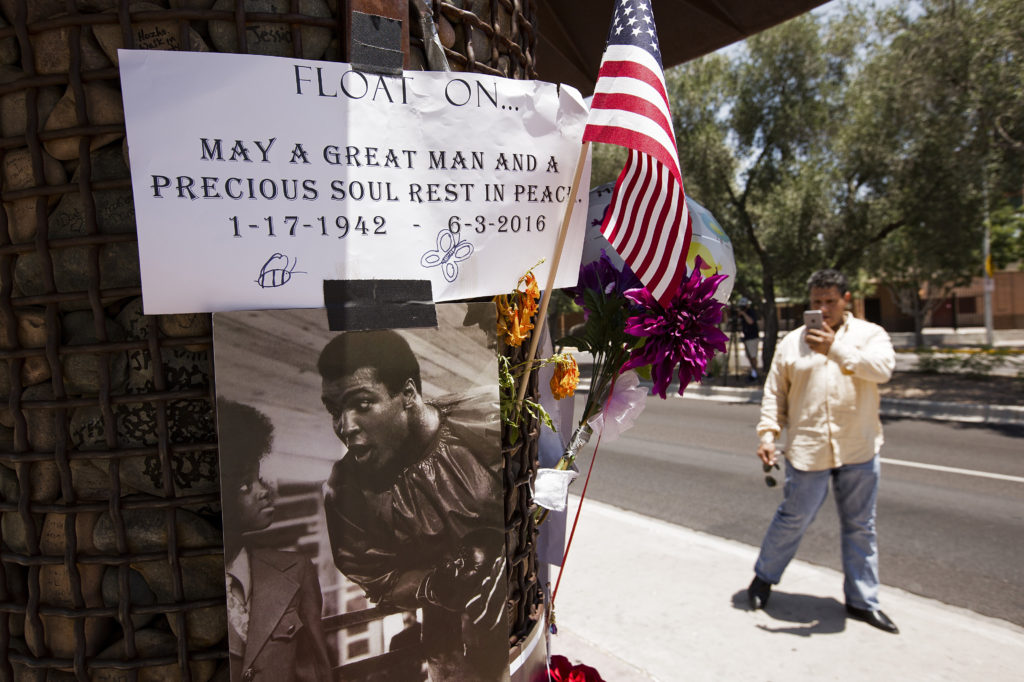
x: 274, y: 599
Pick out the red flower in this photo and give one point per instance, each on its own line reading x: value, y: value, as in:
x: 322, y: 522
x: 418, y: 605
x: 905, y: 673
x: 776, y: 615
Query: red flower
x: 584, y: 673
x: 560, y: 670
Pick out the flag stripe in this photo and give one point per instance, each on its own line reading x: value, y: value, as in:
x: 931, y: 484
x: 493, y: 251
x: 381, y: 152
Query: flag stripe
x: 645, y: 206
x: 662, y: 212
x: 629, y: 53
x: 627, y: 71
x: 634, y: 104
x: 636, y: 120
x: 635, y: 207
x: 647, y: 221
x: 641, y: 84
x: 631, y: 117
x: 633, y: 139
x: 669, y: 267
x: 646, y: 210
x: 623, y: 188
x: 649, y: 254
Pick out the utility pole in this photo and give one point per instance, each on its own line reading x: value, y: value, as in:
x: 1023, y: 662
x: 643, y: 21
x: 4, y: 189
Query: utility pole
x: 986, y: 248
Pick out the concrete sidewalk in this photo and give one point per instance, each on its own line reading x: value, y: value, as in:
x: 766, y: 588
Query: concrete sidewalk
x: 642, y: 599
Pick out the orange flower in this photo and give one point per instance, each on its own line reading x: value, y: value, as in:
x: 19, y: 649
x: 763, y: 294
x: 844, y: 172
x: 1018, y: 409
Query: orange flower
x: 531, y: 296
x: 516, y: 310
x: 566, y: 377
x: 510, y: 321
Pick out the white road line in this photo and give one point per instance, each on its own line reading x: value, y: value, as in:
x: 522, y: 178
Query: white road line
x: 954, y: 470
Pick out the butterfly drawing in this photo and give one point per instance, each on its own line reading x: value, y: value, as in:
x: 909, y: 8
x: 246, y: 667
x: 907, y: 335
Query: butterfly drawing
x: 451, y: 251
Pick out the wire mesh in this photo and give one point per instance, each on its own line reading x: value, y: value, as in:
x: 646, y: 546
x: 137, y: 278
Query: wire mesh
x: 111, y: 558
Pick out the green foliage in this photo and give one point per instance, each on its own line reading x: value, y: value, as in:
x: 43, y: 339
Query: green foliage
x: 998, y: 69
x: 1007, y: 236
x: 923, y: 143
x: 512, y: 414
x: 602, y: 336
x: 603, y: 330
x: 977, y: 363
x: 606, y: 163
x: 867, y: 141
x: 645, y: 371
x: 755, y: 133
x: 561, y: 303
x: 716, y: 367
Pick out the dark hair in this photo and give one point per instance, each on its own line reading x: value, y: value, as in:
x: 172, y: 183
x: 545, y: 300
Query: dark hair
x: 826, y: 279
x: 246, y: 436
x: 385, y: 351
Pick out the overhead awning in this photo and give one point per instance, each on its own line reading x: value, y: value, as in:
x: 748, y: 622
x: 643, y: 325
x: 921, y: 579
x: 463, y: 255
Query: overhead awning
x: 573, y: 32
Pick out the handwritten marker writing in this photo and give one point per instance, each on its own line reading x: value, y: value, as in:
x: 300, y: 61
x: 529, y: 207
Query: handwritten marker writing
x: 277, y: 271
x: 451, y: 250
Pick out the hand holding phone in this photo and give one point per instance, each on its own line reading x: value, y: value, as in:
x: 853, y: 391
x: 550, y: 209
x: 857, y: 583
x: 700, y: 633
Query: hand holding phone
x: 813, y: 319
x: 817, y: 337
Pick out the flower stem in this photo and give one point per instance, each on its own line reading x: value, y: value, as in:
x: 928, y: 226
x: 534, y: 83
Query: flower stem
x: 579, y: 438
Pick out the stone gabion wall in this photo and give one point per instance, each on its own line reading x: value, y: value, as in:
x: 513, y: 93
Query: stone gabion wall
x: 110, y: 540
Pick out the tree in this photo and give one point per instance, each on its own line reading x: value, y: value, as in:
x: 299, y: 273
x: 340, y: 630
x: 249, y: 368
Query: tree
x: 998, y: 62
x: 921, y: 144
x: 863, y: 142
x: 1007, y: 236
x: 754, y: 132
x: 606, y: 163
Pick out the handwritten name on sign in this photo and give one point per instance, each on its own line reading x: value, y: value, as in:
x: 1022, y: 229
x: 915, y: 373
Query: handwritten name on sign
x: 256, y: 178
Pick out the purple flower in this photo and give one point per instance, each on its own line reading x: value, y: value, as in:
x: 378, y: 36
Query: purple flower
x: 602, y: 276
x: 684, y: 334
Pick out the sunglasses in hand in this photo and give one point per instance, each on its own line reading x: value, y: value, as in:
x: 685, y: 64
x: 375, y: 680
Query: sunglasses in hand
x: 769, y: 480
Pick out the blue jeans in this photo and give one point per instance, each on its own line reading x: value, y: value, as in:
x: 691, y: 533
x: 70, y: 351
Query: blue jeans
x: 856, y: 490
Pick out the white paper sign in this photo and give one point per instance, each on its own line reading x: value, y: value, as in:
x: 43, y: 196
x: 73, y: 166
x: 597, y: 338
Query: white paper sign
x: 256, y: 178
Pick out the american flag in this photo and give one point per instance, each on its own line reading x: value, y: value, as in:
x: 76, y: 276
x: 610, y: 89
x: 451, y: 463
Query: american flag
x: 647, y: 222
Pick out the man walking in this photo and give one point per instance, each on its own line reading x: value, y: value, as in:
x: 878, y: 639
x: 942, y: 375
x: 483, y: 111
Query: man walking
x: 823, y: 389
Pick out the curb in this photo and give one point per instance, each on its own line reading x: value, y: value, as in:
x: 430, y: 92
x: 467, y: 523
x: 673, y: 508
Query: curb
x: 1007, y: 415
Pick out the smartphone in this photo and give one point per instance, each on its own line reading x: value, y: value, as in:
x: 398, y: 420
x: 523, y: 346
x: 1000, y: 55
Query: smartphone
x: 813, y: 319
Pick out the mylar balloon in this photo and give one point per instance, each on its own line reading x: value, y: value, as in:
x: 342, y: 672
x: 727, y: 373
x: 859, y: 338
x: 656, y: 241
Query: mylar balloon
x: 709, y: 240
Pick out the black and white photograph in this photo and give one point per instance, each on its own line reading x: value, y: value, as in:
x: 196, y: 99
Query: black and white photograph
x: 362, y: 494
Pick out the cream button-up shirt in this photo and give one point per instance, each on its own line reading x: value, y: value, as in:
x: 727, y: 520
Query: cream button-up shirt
x: 828, y: 404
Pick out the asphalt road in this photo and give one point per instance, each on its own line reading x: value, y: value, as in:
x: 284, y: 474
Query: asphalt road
x: 946, y: 535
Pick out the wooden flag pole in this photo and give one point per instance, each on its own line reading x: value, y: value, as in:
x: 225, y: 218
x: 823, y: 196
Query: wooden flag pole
x: 542, y: 313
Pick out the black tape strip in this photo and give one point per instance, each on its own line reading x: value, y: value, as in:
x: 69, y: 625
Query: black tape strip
x: 376, y: 44
x: 361, y: 304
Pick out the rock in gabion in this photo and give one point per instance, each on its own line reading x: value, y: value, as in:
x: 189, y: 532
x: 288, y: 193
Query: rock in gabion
x: 139, y: 593
x: 88, y: 373
x: 271, y: 38
x: 151, y: 643
x: 103, y: 106
x: 52, y: 51
x: 148, y: 35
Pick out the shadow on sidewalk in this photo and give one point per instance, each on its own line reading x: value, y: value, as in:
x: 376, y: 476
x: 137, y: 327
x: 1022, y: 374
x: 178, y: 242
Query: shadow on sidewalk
x: 811, y: 615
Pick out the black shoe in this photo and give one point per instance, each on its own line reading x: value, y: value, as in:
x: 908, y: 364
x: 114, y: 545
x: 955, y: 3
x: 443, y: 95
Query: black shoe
x: 876, y: 619
x: 758, y: 593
